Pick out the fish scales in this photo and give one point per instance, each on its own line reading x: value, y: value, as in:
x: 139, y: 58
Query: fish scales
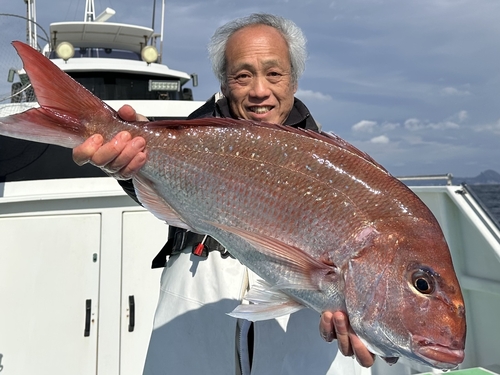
x: 224, y: 169
x: 217, y: 164
x: 321, y: 222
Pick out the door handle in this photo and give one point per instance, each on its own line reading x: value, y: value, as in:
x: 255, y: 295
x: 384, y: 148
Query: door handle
x: 88, y: 316
x: 131, y: 316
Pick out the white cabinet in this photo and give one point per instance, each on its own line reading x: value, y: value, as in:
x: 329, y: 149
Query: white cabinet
x: 72, y: 256
x: 46, y: 279
x: 143, y: 236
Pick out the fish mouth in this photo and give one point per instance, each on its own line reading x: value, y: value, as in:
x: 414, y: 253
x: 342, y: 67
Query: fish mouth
x: 440, y: 355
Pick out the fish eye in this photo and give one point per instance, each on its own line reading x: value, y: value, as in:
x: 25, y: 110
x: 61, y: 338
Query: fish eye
x: 423, y: 282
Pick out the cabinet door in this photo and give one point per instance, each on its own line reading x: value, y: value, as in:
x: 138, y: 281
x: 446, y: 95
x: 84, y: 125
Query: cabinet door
x: 143, y: 237
x: 49, y: 274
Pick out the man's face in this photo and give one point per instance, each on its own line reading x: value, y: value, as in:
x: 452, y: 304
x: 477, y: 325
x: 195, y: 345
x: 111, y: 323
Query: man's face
x: 259, y: 83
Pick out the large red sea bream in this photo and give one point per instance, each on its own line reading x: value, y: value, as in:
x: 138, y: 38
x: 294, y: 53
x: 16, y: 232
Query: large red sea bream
x: 323, y: 224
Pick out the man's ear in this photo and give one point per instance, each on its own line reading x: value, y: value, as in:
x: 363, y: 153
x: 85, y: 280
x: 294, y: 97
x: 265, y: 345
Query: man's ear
x: 223, y: 89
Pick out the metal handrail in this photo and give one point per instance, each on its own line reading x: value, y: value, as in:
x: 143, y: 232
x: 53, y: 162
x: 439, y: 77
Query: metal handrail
x: 480, y: 203
x: 448, y: 177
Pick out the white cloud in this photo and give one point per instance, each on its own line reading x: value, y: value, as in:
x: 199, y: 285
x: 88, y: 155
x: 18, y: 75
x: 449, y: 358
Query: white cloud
x: 444, y: 125
x: 364, y: 126
x: 306, y: 95
x: 493, y: 128
x: 390, y: 126
x: 453, y: 91
x: 413, y: 140
x: 414, y: 124
x: 462, y: 116
x: 381, y: 139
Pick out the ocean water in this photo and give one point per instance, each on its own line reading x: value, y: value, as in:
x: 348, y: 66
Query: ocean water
x: 490, y: 196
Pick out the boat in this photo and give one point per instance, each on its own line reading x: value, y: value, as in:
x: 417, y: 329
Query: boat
x: 76, y: 290
x: 83, y: 308
x: 119, y: 63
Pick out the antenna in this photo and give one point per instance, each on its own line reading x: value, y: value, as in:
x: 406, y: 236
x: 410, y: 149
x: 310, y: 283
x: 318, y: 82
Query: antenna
x: 162, y: 27
x: 31, y: 37
x: 89, y: 11
x: 154, y: 9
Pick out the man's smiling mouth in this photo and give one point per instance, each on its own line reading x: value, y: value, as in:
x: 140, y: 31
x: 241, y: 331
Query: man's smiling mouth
x: 260, y: 110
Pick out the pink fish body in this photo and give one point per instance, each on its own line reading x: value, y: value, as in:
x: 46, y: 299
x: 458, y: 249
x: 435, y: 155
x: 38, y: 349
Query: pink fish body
x: 323, y: 224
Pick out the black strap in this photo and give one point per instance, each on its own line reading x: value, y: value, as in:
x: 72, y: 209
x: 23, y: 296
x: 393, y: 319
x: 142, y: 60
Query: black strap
x: 161, y: 258
x: 179, y: 239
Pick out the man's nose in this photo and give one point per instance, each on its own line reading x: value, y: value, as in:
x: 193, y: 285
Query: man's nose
x: 260, y: 87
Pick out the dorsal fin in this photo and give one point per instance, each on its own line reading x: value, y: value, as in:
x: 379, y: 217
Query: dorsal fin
x: 230, y: 122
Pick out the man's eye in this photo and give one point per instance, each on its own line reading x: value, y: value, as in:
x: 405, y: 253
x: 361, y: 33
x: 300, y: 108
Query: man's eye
x: 242, y: 78
x: 274, y: 76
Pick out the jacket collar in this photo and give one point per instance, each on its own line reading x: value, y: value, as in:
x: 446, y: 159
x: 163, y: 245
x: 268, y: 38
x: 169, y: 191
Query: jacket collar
x: 298, y: 117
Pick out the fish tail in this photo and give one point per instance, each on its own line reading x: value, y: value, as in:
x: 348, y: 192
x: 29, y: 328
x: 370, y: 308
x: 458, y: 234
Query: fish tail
x: 68, y: 113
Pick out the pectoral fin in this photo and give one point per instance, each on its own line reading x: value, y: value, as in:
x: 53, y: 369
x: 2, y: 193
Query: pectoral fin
x: 305, y: 271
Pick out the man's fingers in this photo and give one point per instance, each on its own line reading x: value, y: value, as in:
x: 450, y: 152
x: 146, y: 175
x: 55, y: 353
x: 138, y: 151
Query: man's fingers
x: 363, y: 356
x: 109, y: 151
x: 128, y: 113
x: 128, y: 149
x: 342, y: 332
x: 121, y: 157
x: 326, y: 328
x: 336, y: 325
x: 84, y: 152
x: 131, y: 168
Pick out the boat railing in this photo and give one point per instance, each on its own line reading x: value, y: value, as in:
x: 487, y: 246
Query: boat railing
x: 469, y: 195
x: 447, y: 177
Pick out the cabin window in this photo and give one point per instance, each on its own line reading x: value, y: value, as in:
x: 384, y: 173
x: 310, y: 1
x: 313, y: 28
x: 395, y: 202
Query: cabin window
x: 122, y: 86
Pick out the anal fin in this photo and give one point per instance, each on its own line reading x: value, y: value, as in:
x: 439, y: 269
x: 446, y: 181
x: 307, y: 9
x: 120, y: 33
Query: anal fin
x: 266, y: 302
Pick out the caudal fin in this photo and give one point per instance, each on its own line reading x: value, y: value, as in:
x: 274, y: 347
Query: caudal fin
x: 68, y: 113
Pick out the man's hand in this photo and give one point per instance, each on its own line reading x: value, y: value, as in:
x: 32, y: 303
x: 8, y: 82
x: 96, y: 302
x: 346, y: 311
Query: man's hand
x: 335, y: 325
x: 122, y: 157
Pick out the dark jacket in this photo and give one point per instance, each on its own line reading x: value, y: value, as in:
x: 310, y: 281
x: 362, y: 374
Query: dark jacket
x: 178, y: 239
x: 299, y: 116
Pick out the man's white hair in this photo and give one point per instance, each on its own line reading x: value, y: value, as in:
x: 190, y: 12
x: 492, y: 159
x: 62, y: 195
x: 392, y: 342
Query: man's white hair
x: 289, y: 30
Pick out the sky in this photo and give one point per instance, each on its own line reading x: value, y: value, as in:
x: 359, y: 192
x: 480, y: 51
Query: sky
x: 414, y: 83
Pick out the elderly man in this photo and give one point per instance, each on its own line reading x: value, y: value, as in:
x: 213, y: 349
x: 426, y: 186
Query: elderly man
x: 258, y: 60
